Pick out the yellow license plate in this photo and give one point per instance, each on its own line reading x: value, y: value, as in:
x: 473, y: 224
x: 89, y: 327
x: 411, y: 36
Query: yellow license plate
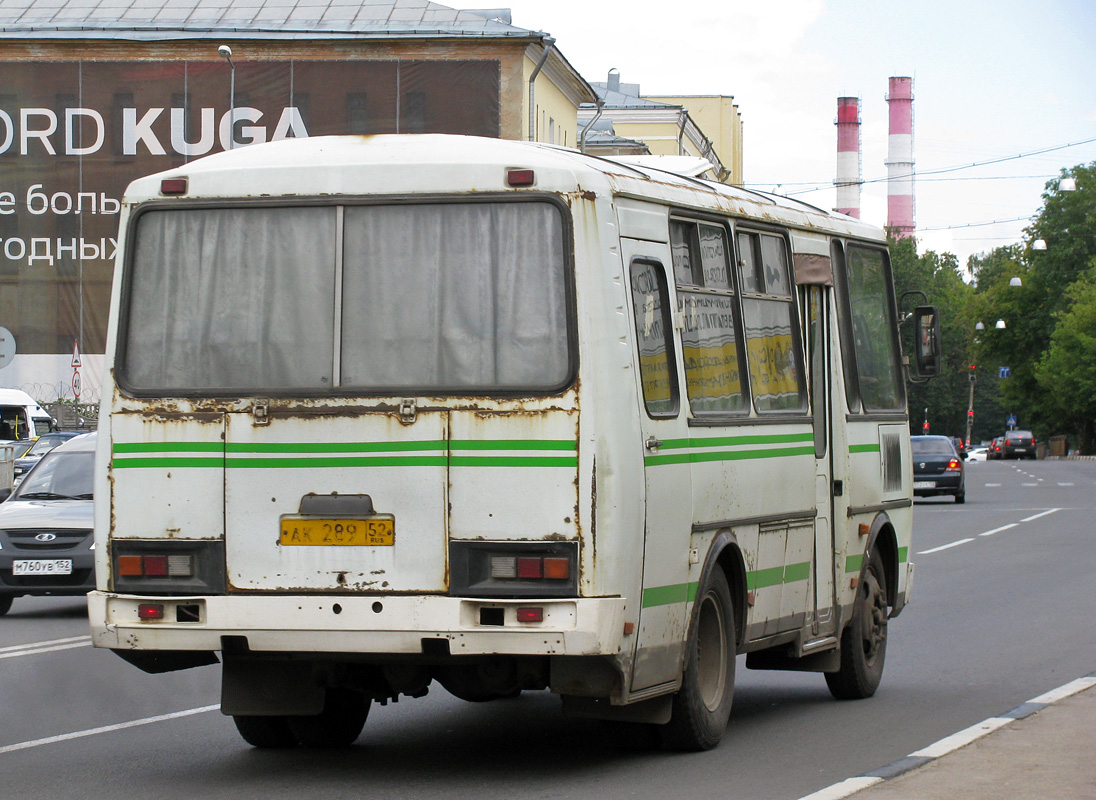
x: 372, y: 532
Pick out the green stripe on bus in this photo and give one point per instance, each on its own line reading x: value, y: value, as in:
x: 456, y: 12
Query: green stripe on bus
x: 172, y: 462
x: 764, y: 578
x: 903, y: 555
x: 854, y: 563
x: 863, y: 448
x: 759, y: 579
x: 736, y: 441
x: 726, y: 455
x: 666, y: 595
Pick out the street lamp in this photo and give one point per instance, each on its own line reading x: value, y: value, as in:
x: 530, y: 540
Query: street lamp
x: 225, y: 52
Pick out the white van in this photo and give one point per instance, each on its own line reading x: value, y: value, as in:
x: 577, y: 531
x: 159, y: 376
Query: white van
x: 21, y: 417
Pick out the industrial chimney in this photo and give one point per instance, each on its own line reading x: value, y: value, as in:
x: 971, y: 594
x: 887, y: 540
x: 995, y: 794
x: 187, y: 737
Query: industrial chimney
x: 900, y: 158
x: 848, y: 156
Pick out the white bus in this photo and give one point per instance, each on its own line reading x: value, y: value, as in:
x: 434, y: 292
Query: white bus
x: 392, y: 410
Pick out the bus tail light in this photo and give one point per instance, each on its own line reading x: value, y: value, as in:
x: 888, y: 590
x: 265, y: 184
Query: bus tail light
x: 514, y: 569
x: 168, y: 567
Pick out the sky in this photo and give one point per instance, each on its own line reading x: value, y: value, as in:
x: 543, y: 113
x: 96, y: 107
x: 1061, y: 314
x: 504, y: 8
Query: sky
x: 993, y: 81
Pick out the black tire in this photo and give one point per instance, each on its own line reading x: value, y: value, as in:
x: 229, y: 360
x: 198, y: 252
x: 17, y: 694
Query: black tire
x: 266, y: 732
x: 702, y: 706
x: 864, y: 641
x: 338, y: 725
x: 5, y: 604
x: 961, y: 497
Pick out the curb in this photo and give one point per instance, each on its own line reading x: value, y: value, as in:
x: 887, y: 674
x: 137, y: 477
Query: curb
x: 950, y: 744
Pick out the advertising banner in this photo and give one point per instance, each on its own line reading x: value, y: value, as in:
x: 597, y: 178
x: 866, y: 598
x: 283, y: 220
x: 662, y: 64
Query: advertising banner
x: 74, y: 134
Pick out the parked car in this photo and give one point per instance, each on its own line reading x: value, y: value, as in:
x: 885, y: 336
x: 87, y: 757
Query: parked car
x: 937, y: 468
x: 977, y: 453
x: 1018, y: 444
x: 46, y: 526
x: 42, y: 445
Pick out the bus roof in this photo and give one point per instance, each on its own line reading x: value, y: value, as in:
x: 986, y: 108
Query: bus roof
x: 439, y: 164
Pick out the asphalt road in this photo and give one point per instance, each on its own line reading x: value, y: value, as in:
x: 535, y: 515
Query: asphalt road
x: 1002, y: 611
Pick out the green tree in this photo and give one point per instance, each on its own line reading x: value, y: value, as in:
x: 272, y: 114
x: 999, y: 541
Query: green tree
x: 1067, y: 371
x: 1065, y: 230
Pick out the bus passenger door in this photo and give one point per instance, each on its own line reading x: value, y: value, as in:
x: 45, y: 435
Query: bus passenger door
x: 667, y: 492
x: 820, y: 358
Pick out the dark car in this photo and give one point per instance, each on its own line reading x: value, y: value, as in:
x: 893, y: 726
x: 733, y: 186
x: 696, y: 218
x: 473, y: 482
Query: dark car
x: 42, y: 445
x: 937, y: 468
x: 995, y: 448
x: 1018, y: 444
x: 46, y: 544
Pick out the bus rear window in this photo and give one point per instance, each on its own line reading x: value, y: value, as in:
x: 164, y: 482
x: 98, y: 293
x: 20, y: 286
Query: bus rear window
x: 462, y: 297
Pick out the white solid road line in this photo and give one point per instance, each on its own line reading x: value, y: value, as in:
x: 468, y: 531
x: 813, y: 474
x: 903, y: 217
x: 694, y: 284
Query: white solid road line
x: 1043, y: 514
x: 949, y: 744
x: 15, y: 651
x: 105, y: 729
x: 961, y: 739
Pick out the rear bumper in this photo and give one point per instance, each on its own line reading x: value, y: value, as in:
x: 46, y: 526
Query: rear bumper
x: 942, y: 484
x: 359, y: 625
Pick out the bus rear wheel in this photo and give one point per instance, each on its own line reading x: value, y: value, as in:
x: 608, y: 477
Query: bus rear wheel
x: 864, y: 641
x: 702, y: 706
x: 338, y: 725
x: 265, y: 732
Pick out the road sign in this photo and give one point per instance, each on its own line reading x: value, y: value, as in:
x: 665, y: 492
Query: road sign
x: 76, y: 385
x: 1003, y: 372
x: 7, y: 347
x: 1011, y: 421
x: 75, y: 353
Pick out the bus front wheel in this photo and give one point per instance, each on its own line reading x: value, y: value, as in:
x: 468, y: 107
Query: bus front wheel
x: 864, y: 642
x: 702, y: 706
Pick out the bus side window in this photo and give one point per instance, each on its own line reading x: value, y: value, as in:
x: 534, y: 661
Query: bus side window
x: 710, y: 341
x: 657, y: 372
x: 768, y: 314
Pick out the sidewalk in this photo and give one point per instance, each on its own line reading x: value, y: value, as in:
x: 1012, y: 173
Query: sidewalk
x: 1044, y: 749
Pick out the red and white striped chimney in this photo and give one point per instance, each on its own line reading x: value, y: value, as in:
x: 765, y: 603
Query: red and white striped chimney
x: 848, y: 156
x: 900, y: 157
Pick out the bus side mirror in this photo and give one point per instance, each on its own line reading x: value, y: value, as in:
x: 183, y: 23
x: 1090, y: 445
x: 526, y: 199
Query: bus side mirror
x: 927, y: 347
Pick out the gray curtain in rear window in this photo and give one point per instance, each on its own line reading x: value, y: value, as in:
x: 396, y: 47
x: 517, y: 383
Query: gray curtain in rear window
x: 454, y: 296
x: 232, y: 298
x: 436, y: 297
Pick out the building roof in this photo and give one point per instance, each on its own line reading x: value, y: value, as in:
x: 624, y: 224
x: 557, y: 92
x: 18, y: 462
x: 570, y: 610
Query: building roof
x: 267, y: 19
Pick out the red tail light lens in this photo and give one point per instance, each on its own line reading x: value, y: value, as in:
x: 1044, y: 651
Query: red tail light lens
x: 150, y: 611
x: 531, y: 568
x: 533, y: 614
x: 953, y: 464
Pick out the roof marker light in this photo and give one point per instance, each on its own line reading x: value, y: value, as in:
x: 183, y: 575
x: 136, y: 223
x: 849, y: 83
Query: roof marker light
x: 173, y: 186
x: 520, y: 177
